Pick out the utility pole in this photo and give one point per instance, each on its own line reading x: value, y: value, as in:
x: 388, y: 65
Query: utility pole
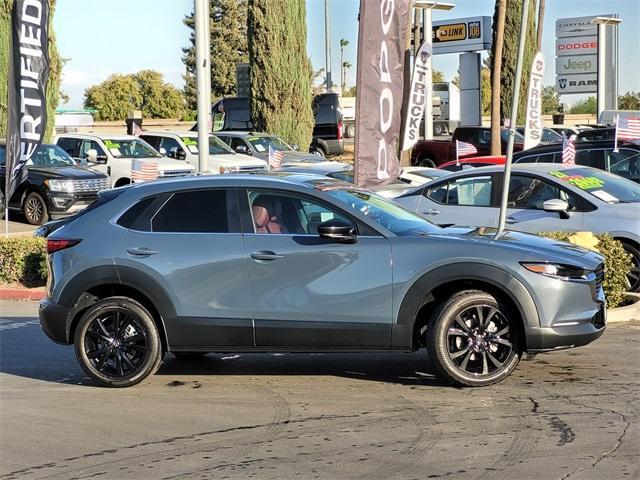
x: 327, y: 44
x: 203, y: 80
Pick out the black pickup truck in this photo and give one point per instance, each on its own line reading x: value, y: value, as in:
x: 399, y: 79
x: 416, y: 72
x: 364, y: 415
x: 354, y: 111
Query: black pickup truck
x: 55, y: 187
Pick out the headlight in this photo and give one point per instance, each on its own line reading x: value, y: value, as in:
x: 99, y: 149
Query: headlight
x: 66, y: 186
x: 557, y: 270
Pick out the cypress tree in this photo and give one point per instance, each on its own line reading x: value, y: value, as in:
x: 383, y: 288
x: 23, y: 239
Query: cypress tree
x: 280, y: 70
x: 510, y: 56
x: 55, y: 69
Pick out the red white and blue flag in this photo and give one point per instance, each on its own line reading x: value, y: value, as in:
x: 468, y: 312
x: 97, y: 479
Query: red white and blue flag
x: 628, y: 128
x: 464, y: 149
x: 275, y: 158
x: 568, y: 150
x: 144, y: 170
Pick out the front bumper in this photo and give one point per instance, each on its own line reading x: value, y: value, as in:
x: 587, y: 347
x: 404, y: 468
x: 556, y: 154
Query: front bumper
x: 65, y: 204
x: 54, y: 321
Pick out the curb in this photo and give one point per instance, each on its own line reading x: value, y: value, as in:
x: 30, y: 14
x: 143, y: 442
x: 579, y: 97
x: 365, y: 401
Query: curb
x: 629, y: 313
x: 34, y: 294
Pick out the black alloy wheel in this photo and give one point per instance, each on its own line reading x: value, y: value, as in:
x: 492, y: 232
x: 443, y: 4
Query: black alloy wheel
x: 475, y: 340
x: 35, y: 209
x: 117, y: 343
x: 634, y: 274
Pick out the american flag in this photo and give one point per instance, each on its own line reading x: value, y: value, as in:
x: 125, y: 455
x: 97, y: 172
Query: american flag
x: 275, y: 158
x: 137, y: 131
x: 568, y: 150
x: 143, y: 171
x: 628, y: 128
x: 464, y: 148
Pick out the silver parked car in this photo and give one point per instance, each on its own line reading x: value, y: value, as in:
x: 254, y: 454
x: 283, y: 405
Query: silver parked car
x: 305, y: 263
x: 542, y: 198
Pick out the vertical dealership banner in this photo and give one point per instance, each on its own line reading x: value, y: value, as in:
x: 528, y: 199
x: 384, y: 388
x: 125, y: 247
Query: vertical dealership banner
x: 533, y: 120
x: 420, y: 92
x: 379, y: 82
x: 28, y: 76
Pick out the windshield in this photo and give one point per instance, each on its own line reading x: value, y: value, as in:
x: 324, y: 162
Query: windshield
x: 50, y: 156
x: 261, y: 144
x: 216, y: 146
x: 134, y: 148
x: 384, y: 212
x: 606, y: 186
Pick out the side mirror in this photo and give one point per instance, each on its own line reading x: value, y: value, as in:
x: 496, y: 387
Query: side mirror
x: 176, y: 153
x: 92, y: 155
x: 556, y: 205
x: 338, y: 231
x: 163, y: 151
x: 296, y: 147
x: 242, y: 149
x: 101, y: 159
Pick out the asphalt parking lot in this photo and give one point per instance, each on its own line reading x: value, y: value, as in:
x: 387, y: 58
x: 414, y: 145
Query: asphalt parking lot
x: 566, y: 415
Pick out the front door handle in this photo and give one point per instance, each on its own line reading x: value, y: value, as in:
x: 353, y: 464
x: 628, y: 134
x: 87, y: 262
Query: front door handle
x: 511, y: 220
x: 141, y: 251
x: 433, y: 211
x: 265, y: 255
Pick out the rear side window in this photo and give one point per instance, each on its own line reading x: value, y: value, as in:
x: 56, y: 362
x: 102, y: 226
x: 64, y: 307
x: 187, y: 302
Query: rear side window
x: 130, y: 216
x: 200, y: 211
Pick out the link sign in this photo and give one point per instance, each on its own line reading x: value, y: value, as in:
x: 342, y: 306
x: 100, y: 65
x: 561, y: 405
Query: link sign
x: 462, y: 35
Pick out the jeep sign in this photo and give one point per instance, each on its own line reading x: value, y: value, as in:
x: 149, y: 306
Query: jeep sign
x: 577, y: 83
x: 576, y: 64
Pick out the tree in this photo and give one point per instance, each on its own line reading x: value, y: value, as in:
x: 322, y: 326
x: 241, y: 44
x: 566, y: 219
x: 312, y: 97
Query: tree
x: 437, y: 76
x: 496, y: 73
x: 588, y: 105
x: 540, y: 25
x: 280, y: 71
x: 629, y: 101
x: 228, y: 20
x: 119, y: 94
x: 513, y: 18
x: 55, y: 69
x: 550, y: 100
x: 343, y: 81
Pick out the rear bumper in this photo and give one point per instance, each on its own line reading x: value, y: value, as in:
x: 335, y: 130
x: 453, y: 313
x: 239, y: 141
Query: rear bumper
x: 53, y: 320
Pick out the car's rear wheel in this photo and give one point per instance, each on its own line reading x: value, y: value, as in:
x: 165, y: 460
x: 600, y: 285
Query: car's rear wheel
x: 117, y: 342
x: 351, y: 130
x: 425, y: 162
x: 317, y: 150
x: 473, y: 339
x: 634, y: 273
x: 35, y: 209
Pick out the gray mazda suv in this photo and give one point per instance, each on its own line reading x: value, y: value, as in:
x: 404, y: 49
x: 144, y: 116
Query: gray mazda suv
x: 293, y: 262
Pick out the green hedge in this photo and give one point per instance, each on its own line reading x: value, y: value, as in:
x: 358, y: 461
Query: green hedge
x: 23, y: 260
x: 617, y: 264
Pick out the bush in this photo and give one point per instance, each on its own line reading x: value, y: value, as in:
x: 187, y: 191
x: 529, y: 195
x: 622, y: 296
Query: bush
x: 23, y: 260
x: 617, y: 264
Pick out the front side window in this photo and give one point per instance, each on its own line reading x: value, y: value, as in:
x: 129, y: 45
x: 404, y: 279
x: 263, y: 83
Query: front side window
x: 199, y: 211
x: 168, y: 143
x: 468, y: 191
x: 532, y: 192
x: 625, y: 162
x: 90, y: 145
x: 288, y: 214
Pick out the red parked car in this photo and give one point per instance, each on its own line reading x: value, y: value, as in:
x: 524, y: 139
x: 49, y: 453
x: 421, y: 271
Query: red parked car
x: 454, y: 166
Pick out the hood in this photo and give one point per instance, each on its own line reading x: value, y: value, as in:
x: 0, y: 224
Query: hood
x: 531, y: 247
x: 238, y: 159
x: 76, y: 172
x: 165, y: 163
x: 302, y: 157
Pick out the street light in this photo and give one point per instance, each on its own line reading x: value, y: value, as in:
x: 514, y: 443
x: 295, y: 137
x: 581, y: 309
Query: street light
x: 602, y: 23
x: 427, y: 27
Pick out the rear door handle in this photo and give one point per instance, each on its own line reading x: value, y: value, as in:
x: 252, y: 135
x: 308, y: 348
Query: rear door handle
x: 511, y: 220
x: 141, y: 251
x: 432, y: 211
x: 265, y: 255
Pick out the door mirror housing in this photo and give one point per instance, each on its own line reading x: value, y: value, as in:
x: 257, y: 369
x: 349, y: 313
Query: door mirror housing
x: 295, y: 146
x: 338, y: 231
x: 163, y: 151
x: 557, y: 205
x: 177, y: 153
x: 242, y: 149
x: 92, y: 155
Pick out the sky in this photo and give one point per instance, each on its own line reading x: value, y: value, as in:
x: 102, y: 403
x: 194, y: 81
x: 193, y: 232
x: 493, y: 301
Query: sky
x: 101, y: 37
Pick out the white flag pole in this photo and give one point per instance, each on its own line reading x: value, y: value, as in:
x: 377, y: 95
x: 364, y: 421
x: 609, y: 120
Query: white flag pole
x: 615, y: 138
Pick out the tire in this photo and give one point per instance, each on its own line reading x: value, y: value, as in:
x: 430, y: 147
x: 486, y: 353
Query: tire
x: 315, y: 150
x: 438, y: 129
x: 463, y: 353
x: 125, y: 334
x: 189, y: 355
x: 634, y: 275
x: 35, y: 209
x: 425, y: 162
x: 350, y: 131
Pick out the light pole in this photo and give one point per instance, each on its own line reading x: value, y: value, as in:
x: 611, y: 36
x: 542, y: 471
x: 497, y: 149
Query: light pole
x: 602, y: 23
x: 203, y: 80
x: 327, y: 44
x: 428, y: 6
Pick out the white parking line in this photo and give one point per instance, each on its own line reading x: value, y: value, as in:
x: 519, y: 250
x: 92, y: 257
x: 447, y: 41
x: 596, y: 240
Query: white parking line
x: 8, y: 324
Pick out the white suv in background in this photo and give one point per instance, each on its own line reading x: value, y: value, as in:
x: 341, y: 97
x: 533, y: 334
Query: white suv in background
x: 184, y: 146
x: 114, y: 155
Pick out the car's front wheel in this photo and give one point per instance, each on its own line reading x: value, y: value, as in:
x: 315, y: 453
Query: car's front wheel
x: 473, y: 339
x: 117, y: 342
x: 35, y: 209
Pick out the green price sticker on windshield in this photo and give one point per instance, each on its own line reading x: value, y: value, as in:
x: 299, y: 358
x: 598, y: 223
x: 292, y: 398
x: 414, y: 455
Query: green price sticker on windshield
x: 582, y: 182
x: 111, y: 144
x: 189, y: 141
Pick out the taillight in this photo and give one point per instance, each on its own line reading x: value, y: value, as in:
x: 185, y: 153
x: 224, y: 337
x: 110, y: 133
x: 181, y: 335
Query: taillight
x: 56, y: 245
x: 340, y: 130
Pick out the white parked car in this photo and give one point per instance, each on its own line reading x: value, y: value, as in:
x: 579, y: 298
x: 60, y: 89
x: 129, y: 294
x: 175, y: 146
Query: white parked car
x: 415, y: 176
x: 183, y: 145
x: 115, y: 154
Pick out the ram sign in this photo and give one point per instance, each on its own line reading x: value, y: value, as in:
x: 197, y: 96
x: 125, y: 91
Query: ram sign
x: 577, y: 83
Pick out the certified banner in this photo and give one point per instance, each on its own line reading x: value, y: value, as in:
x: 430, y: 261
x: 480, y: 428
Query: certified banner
x: 28, y: 76
x: 533, y: 120
x: 379, y: 82
x: 420, y: 92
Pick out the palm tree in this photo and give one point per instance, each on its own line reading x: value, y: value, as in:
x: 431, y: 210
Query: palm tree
x: 496, y: 145
x: 343, y: 43
x: 345, y: 65
x: 540, y: 23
